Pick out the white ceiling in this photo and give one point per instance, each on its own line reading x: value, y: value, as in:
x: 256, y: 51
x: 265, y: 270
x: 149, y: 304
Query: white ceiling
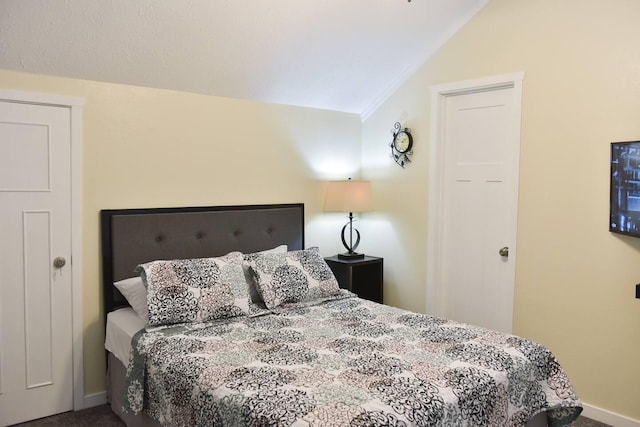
x: 343, y: 55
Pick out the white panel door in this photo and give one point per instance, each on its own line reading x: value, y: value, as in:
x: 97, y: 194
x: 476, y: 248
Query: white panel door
x: 36, y: 352
x: 480, y: 142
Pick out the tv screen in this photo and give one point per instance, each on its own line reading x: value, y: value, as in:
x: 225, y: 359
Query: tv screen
x: 624, y: 208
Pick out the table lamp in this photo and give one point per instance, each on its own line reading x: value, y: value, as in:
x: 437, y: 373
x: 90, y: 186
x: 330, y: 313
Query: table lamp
x: 348, y: 196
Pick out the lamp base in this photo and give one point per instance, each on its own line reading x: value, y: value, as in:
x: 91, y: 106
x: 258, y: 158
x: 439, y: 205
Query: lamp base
x: 352, y: 255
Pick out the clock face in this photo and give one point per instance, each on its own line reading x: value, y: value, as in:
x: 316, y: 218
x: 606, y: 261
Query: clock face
x: 402, y: 142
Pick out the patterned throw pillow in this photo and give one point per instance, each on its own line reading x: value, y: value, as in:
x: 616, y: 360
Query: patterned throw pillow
x: 293, y: 277
x: 248, y: 274
x: 195, y: 290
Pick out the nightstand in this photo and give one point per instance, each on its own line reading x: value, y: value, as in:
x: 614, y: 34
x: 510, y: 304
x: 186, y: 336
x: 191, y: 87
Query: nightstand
x: 361, y: 276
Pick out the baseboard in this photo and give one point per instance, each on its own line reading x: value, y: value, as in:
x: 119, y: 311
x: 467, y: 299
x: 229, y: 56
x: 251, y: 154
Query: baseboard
x: 607, y: 417
x: 95, y: 399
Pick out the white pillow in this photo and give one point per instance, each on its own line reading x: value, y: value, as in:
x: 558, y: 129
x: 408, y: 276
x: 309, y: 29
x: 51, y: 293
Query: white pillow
x: 282, y: 249
x: 135, y: 292
x: 248, y: 274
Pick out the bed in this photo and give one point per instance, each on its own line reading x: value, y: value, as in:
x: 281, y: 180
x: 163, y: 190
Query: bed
x: 300, y: 351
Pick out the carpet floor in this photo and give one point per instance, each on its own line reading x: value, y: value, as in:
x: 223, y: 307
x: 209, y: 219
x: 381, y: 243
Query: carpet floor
x: 101, y: 416
x: 98, y: 416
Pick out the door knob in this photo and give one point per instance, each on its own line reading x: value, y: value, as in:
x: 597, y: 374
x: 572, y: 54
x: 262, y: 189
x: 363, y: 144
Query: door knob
x: 59, y: 262
x: 504, y: 251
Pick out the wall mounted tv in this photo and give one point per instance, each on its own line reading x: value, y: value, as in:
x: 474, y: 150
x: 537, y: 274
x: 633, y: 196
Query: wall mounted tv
x: 624, y: 207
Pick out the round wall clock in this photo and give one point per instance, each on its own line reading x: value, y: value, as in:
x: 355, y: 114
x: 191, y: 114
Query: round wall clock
x: 401, y: 145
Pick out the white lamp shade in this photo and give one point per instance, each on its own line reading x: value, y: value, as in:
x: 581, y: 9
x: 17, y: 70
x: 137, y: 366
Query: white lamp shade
x: 348, y: 196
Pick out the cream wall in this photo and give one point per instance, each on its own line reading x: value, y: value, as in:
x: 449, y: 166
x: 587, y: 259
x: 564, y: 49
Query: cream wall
x: 154, y: 148
x: 574, y: 280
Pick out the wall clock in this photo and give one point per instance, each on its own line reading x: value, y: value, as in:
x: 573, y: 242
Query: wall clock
x: 401, y: 144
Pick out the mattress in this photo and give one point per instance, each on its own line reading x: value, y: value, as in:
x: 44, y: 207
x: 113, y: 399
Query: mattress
x: 122, y: 325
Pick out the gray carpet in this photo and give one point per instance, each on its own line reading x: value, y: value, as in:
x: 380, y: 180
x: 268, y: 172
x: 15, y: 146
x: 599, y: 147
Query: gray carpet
x: 98, y: 416
x: 588, y: 422
x: 103, y: 417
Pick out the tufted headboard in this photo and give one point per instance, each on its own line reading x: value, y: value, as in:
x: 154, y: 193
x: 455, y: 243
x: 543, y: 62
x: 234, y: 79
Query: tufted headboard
x: 134, y: 236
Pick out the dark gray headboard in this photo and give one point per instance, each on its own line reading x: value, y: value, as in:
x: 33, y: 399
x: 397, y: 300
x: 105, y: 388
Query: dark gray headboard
x: 134, y: 236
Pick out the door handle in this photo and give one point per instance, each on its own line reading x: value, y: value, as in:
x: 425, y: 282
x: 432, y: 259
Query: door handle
x: 504, y: 251
x: 59, y: 262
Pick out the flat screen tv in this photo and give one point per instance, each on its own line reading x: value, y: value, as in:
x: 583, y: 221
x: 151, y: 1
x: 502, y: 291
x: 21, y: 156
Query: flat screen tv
x: 624, y: 207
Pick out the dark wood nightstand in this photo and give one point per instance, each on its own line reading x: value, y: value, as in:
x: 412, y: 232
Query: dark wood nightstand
x: 362, y: 276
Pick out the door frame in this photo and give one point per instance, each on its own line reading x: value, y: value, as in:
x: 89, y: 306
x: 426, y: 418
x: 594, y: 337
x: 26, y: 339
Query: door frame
x: 436, y: 303
x: 75, y: 106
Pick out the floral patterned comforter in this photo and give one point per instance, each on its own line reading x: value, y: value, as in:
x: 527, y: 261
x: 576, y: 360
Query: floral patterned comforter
x: 344, y: 362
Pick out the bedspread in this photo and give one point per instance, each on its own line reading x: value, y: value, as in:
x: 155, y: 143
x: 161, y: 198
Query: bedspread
x: 344, y: 362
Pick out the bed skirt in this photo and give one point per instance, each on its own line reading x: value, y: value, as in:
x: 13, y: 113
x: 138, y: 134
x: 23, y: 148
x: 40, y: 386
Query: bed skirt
x: 116, y: 373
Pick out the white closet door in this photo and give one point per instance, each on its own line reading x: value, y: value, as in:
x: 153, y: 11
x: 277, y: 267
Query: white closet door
x: 474, y: 201
x: 36, y: 349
